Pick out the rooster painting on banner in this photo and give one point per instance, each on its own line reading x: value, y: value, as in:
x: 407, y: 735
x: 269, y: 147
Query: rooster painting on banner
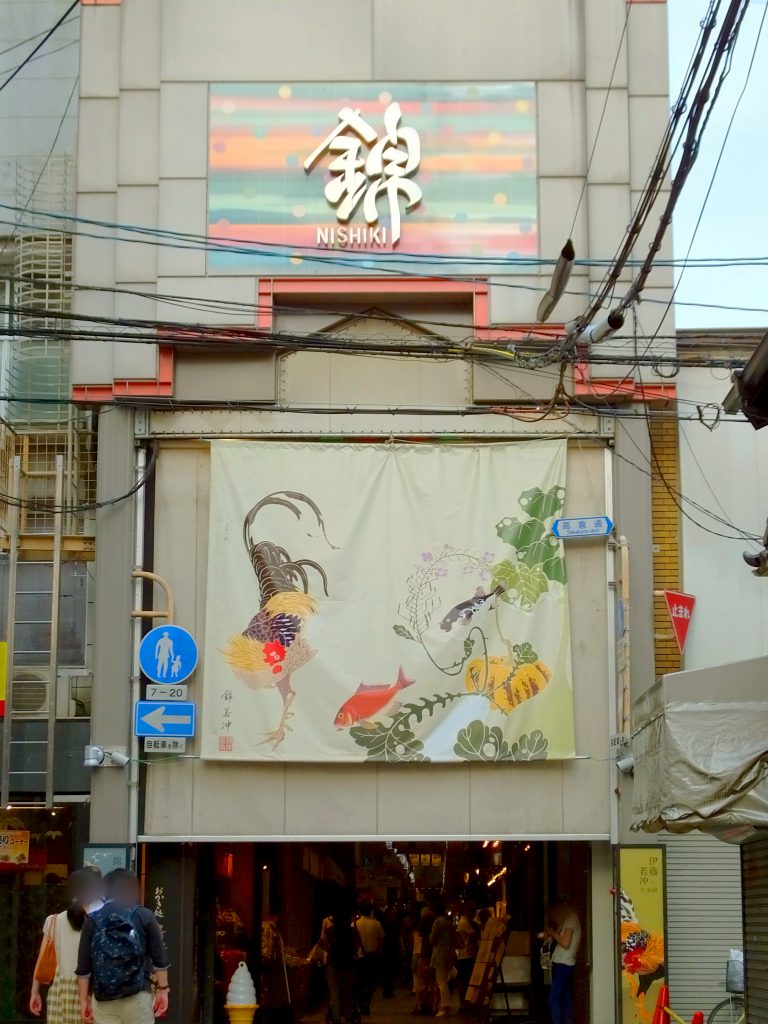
x: 387, y: 603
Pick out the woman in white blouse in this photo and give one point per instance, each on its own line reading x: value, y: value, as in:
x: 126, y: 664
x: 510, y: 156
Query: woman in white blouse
x: 62, y: 1006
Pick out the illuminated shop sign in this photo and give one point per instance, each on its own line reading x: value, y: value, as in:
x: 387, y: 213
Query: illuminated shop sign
x: 350, y: 178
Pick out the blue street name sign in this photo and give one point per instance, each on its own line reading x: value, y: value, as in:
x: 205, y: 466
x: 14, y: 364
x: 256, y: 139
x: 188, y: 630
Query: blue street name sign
x: 158, y: 718
x: 168, y: 654
x: 584, y: 526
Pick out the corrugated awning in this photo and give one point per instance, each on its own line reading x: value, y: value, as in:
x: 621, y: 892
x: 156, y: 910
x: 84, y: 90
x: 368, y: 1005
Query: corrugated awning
x: 700, y: 743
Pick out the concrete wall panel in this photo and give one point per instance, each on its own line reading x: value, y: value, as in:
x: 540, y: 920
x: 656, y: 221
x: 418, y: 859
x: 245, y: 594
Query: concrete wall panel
x: 233, y: 41
x: 562, y: 149
x: 648, y: 57
x: 608, y: 136
x: 235, y: 300
x: 609, y: 214
x: 94, y: 257
x: 140, y: 44
x: 495, y: 39
x: 648, y: 119
x: 733, y: 461
x: 312, y: 377
x: 183, y: 209
x: 184, y: 130
x: 99, y: 46
x: 558, y: 203
x: 606, y: 43
x: 254, y: 804
x: 139, y: 136
x: 97, y: 145
x: 136, y: 260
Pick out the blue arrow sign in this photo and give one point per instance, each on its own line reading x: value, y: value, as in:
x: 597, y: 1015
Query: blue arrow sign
x: 156, y: 718
x: 584, y: 526
x: 168, y: 654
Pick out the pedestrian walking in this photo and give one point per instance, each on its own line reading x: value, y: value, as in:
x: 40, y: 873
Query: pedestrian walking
x: 342, y: 943
x: 121, y: 948
x: 372, y: 941
x: 467, y: 944
x: 57, y: 959
x: 443, y: 941
x: 566, y: 932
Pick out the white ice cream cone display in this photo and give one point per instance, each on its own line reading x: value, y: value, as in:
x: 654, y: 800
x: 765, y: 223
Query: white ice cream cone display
x: 241, y: 996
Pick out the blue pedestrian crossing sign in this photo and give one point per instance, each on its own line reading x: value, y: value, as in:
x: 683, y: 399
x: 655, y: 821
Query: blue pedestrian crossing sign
x: 582, y: 526
x: 156, y: 718
x: 168, y: 654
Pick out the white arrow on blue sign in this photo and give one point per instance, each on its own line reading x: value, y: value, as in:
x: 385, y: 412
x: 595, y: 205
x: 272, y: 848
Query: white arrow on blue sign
x: 155, y: 718
x: 168, y: 654
x: 582, y: 526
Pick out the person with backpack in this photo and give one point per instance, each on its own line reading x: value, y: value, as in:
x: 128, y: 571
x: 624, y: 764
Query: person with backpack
x: 121, y: 948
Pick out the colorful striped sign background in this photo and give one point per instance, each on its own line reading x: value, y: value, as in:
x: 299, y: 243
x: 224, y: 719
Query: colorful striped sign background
x: 477, y: 176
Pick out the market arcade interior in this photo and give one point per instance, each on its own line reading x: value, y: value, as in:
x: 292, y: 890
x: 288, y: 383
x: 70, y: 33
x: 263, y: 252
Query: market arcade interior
x: 265, y: 903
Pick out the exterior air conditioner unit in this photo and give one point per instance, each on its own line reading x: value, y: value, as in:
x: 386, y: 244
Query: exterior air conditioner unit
x: 29, y: 696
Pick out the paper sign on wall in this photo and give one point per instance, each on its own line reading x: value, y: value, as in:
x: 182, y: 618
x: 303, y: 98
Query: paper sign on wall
x: 14, y: 847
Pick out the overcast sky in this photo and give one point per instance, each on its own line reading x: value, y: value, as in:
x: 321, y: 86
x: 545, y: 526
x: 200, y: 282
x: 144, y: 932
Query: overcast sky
x: 735, y: 221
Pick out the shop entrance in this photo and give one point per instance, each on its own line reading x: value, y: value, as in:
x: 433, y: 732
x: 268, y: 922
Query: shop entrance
x: 266, y: 904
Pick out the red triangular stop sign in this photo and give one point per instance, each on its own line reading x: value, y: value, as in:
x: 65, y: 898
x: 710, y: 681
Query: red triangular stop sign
x: 680, y: 608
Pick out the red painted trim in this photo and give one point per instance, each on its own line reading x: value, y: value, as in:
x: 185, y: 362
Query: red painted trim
x: 271, y: 290
x: 368, y: 285
x: 92, y: 392
x: 619, y: 389
x: 265, y: 301
x: 161, y: 387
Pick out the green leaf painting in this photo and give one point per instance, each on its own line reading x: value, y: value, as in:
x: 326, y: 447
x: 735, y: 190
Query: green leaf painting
x: 533, y: 541
x: 480, y: 742
x: 403, y: 632
x: 531, y: 747
x: 396, y: 741
x: 542, y: 504
x: 520, y: 535
x: 523, y: 585
x: 524, y: 654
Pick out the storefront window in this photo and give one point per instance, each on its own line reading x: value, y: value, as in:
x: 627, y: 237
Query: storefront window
x: 47, y: 846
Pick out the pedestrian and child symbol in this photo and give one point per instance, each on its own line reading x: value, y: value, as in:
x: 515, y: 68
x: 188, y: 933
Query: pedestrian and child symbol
x: 168, y: 654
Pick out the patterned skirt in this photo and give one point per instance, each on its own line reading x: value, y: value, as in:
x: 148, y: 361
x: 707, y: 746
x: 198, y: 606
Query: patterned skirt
x: 62, y: 1006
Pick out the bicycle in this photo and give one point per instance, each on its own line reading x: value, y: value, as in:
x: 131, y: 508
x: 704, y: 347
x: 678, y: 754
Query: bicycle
x: 729, y: 1011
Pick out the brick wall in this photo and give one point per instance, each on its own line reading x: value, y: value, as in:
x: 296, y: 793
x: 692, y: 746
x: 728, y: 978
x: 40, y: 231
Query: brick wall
x: 666, y: 537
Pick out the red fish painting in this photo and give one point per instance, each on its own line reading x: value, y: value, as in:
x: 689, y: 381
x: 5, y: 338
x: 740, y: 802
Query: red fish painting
x: 368, y: 700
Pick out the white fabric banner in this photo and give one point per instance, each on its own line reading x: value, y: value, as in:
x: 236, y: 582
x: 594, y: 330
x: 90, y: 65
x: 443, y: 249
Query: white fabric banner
x: 387, y: 602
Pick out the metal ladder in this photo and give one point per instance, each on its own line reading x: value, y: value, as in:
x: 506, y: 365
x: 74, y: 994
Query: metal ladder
x: 18, y: 747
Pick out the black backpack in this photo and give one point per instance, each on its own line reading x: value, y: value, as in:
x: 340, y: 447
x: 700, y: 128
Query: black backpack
x: 118, y: 953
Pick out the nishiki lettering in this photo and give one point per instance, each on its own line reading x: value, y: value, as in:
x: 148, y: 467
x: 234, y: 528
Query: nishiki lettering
x: 383, y: 169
